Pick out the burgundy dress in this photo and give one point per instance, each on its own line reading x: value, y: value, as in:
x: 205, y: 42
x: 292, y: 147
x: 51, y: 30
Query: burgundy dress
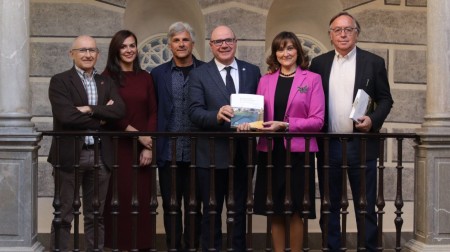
x: 138, y: 93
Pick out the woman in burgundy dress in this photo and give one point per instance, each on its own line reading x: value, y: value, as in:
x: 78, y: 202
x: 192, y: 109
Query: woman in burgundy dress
x: 136, y: 89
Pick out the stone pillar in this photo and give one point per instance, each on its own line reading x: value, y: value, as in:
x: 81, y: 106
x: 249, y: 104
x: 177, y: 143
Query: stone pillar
x: 432, y: 168
x: 18, y: 138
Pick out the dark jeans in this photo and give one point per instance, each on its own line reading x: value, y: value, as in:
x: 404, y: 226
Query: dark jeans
x: 335, y: 187
x: 67, y: 189
x: 182, y: 197
x: 221, y: 191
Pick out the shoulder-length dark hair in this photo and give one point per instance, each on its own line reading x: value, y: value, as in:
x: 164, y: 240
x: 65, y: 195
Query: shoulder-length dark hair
x: 279, y: 42
x: 113, y: 62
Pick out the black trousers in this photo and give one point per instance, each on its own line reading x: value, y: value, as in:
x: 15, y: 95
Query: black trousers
x: 221, y: 192
x: 335, y: 188
x: 173, y: 223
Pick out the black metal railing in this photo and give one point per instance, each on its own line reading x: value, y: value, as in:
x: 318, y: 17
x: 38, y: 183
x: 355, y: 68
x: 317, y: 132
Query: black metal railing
x: 230, y: 204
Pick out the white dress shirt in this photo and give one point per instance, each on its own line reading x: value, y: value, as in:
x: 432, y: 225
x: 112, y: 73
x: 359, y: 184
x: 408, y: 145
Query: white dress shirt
x: 234, y: 73
x: 340, y: 93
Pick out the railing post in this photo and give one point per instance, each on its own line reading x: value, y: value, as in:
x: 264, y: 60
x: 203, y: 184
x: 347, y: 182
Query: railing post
x: 230, y: 199
x: 399, y: 197
x: 288, y: 197
x: 269, y: 199
x: 96, y: 200
x: 212, y: 194
x: 173, y: 205
x: 344, y: 197
x: 76, y: 197
x: 134, y: 197
x: 250, y: 201
x: 57, y: 220
x: 115, y: 195
x: 306, y: 200
x: 193, y: 201
x: 325, y: 201
x: 380, y: 198
x: 153, y: 196
x: 362, y: 201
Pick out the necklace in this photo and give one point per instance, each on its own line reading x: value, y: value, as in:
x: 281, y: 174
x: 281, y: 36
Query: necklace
x: 287, y: 75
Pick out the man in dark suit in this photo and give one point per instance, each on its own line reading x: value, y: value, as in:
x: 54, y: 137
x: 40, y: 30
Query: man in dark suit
x: 81, y: 99
x: 345, y: 70
x: 210, y: 87
x: 171, y: 84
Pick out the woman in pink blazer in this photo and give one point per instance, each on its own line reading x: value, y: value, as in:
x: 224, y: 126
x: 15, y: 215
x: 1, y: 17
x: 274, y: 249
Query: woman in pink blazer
x: 294, y: 102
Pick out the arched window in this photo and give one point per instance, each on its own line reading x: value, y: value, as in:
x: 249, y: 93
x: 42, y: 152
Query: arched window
x: 311, y: 46
x: 153, y: 52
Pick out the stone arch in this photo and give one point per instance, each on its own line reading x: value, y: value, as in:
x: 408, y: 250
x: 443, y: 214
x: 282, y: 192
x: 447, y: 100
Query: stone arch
x: 308, y: 19
x: 150, y: 19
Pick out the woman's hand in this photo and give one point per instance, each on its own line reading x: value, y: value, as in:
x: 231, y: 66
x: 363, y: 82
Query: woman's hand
x: 243, y: 127
x: 146, y: 141
x: 145, y: 157
x: 273, y: 126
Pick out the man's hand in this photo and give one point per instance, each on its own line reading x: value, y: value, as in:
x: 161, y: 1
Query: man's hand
x: 88, y: 110
x: 85, y: 109
x: 224, y: 114
x: 364, y: 125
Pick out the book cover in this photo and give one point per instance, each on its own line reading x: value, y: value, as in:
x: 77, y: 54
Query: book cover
x: 361, y: 105
x: 248, y: 108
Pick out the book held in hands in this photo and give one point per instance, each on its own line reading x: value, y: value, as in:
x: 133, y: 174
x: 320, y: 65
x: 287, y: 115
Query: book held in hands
x: 248, y: 108
x: 361, y: 105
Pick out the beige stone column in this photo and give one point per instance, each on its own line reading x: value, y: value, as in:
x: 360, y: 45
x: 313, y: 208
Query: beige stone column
x: 14, y: 65
x: 18, y: 139
x: 432, y: 168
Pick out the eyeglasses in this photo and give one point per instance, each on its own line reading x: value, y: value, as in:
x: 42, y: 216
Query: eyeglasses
x: 86, y: 50
x: 347, y: 30
x: 219, y: 42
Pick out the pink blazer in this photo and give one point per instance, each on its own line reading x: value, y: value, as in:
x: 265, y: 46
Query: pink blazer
x: 305, y: 108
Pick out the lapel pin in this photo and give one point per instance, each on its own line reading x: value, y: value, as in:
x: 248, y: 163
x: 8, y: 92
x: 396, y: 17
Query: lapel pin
x: 243, y: 69
x: 302, y: 89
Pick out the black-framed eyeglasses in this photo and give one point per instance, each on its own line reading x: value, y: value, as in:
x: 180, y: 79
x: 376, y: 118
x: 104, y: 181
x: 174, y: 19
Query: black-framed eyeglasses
x: 219, y: 42
x: 347, y: 30
x: 86, y: 50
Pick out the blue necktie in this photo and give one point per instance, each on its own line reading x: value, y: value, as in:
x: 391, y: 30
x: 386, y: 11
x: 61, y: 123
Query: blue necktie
x: 229, y: 81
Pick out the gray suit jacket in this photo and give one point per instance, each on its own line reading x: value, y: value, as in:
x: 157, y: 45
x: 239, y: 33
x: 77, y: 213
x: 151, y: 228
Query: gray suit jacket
x: 207, y: 94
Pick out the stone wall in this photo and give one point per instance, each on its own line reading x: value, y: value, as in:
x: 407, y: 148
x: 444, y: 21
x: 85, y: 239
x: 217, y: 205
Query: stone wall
x: 393, y: 29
